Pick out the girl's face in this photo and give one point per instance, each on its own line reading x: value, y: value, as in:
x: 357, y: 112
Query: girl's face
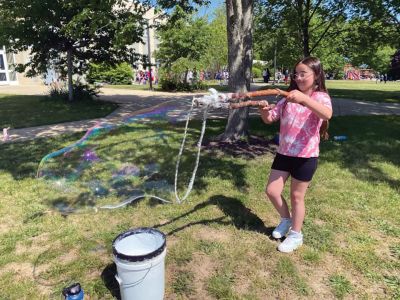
x: 305, y: 78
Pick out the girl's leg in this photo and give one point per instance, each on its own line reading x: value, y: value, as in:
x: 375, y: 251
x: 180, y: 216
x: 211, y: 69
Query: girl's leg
x: 274, y: 190
x: 295, y: 237
x: 297, y: 193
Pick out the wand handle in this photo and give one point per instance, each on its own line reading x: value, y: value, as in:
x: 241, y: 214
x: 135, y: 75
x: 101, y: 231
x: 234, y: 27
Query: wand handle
x: 268, y: 92
x: 261, y: 103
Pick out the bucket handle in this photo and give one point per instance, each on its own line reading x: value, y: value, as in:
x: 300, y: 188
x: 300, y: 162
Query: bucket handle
x: 127, y: 285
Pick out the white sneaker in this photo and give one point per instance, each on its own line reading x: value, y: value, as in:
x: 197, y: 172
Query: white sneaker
x: 293, y: 241
x: 282, y: 229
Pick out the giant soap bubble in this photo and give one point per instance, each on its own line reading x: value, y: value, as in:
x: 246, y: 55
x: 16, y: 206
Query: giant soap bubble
x: 115, y: 164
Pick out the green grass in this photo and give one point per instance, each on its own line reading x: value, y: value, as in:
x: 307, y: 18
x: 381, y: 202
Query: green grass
x: 361, y: 90
x: 340, y: 285
x: 218, y: 242
x: 183, y: 283
x: 365, y: 90
x: 136, y: 87
x: 28, y: 111
x: 145, y: 87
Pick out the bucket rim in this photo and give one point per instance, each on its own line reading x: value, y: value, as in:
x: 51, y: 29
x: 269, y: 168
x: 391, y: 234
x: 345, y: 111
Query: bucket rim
x: 136, y: 258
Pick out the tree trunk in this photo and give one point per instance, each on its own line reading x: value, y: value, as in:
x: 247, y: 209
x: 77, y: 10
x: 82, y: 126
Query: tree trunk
x: 306, y: 29
x: 70, y: 87
x: 240, y: 54
x: 306, y: 41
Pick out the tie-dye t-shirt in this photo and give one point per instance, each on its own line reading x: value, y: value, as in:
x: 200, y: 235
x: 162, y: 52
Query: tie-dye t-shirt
x: 299, y: 127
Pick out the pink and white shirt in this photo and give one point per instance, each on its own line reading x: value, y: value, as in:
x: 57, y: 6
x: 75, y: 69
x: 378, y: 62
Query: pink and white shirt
x: 299, y: 127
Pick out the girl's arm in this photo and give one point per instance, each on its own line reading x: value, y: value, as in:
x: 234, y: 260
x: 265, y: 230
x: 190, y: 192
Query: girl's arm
x: 322, y: 111
x: 266, y: 115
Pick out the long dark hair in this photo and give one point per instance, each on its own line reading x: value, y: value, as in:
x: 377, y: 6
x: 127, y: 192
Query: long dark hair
x: 319, y: 85
x: 314, y: 64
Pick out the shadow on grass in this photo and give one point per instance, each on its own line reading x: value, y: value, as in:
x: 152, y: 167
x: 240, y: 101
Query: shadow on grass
x: 21, y: 159
x: 108, y: 277
x: 235, y: 214
x: 371, y: 141
x: 43, y: 110
x: 65, y: 207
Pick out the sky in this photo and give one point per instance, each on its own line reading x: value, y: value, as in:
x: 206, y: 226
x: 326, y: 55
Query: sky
x: 214, y: 4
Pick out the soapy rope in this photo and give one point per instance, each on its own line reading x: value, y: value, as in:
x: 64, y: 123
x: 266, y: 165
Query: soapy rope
x: 216, y: 100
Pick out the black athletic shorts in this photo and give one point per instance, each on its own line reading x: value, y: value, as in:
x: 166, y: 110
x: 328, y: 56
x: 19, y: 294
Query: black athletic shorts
x: 300, y: 168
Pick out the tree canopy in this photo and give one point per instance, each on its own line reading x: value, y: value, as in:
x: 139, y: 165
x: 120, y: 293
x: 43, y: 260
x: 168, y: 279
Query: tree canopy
x: 344, y: 31
x: 70, y: 34
x: 186, y: 37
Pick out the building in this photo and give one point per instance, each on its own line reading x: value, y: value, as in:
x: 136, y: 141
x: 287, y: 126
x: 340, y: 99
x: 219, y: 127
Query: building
x: 7, y: 75
x: 150, y: 39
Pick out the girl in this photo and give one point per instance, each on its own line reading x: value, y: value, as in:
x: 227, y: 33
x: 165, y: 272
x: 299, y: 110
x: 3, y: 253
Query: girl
x: 301, y: 115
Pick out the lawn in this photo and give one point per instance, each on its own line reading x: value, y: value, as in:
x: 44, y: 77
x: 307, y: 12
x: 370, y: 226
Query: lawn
x: 365, y: 90
x: 138, y: 87
x: 145, y: 87
x: 28, y: 111
x: 219, y: 241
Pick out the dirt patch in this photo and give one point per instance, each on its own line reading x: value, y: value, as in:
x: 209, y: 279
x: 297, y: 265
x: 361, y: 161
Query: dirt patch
x: 4, y: 227
x: 213, y: 235
x: 202, y: 267
x: 171, y: 241
x: 255, y: 146
x: 319, y: 222
x: 68, y: 257
x: 22, y: 270
x: 318, y: 278
x: 382, y: 250
x: 33, y: 245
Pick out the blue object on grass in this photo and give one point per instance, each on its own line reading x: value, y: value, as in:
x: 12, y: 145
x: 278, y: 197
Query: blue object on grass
x: 340, y: 138
x: 275, y: 139
x: 73, y: 292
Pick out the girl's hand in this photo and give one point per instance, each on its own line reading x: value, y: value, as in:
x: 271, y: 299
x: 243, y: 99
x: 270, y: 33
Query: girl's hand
x: 264, y: 107
x: 263, y: 104
x: 319, y: 109
x: 265, y: 113
x: 296, y: 96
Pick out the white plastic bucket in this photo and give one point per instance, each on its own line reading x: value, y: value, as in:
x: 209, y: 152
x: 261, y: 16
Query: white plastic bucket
x: 139, y: 255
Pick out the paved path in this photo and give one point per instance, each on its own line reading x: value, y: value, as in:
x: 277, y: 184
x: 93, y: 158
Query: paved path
x: 130, y: 101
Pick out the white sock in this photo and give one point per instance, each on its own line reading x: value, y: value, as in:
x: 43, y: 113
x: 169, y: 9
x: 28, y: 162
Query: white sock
x: 296, y: 234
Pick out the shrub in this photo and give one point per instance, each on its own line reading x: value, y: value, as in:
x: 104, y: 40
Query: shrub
x: 257, y: 73
x: 167, y: 84
x: 118, y: 74
x: 171, y: 84
x: 172, y: 78
x: 259, y: 66
x: 81, y: 92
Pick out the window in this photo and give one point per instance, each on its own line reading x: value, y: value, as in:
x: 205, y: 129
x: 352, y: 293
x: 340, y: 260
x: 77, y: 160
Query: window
x: 2, y: 65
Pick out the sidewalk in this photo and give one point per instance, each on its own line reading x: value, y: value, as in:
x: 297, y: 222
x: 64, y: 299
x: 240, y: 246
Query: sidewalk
x: 131, y: 101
